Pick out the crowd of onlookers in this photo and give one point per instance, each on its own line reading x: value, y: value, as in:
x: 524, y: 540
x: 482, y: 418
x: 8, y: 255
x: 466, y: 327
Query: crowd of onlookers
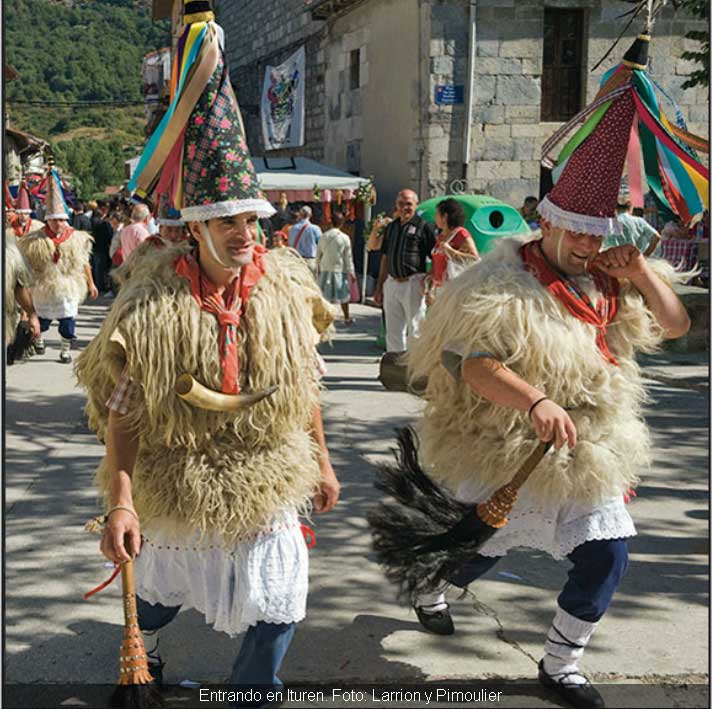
x: 117, y: 226
x: 400, y: 246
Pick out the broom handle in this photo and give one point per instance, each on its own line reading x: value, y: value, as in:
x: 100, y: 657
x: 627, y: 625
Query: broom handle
x: 133, y: 661
x: 495, y: 510
x: 128, y: 591
x: 530, y: 463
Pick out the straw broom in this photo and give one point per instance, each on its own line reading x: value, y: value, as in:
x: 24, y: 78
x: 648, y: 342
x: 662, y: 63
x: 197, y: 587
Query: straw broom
x: 424, y: 534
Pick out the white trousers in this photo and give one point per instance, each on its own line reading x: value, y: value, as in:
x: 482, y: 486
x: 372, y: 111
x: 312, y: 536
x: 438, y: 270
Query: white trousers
x: 404, y: 308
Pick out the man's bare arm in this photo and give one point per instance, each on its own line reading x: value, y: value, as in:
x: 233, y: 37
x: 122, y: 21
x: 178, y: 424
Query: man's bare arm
x: 627, y: 262
x: 328, y: 494
x: 654, y: 241
x: 493, y: 381
x: 122, y: 537
x: 383, y: 272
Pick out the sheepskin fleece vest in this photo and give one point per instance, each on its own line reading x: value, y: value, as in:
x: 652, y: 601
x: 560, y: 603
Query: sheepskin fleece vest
x: 498, y: 307
x: 65, y: 279
x: 16, y: 274
x: 225, y: 473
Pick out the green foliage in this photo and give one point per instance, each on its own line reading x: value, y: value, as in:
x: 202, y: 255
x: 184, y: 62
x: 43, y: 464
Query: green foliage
x: 699, y: 77
x: 93, y: 164
x: 85, y: 50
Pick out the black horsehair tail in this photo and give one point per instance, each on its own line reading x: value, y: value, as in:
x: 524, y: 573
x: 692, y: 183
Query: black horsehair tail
x: 418, y: 534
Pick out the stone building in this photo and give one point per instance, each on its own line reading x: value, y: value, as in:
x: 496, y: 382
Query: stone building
x: 387, y: 82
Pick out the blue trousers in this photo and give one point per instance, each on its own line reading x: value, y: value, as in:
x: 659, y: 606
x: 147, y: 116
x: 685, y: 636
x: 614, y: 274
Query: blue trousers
x: 66, y: 327
x: 260, y: 656
x: 598, y: 567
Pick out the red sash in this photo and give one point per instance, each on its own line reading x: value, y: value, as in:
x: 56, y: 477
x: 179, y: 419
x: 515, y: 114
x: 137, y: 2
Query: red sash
x: 57, y: 240
x: 299, y: 236
x: 573, y: 299
x: 228, y: 308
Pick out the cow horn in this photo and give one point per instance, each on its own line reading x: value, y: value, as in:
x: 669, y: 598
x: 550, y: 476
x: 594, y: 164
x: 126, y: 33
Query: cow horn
x: 192, y: 391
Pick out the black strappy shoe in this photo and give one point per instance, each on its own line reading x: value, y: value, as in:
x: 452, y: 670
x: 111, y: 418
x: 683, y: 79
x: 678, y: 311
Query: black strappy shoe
x: 580, y: 696
x: 438, y: 622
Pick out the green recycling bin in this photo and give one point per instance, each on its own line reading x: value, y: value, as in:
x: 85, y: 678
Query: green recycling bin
x: 487, y: 218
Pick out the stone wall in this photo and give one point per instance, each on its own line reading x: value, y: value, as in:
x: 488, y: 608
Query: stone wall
x: 374, y: 129
x: 267, y: 32
x: 507, y: 134
x: 391, y: 127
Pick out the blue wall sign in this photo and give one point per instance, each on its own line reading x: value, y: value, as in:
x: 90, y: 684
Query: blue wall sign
x: 448, y: 94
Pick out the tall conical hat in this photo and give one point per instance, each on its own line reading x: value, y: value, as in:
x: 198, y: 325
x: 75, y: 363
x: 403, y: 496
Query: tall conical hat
x: 623, y: 124
x: 55, y: 206
x: 22, y: 203
x: 198, y: 155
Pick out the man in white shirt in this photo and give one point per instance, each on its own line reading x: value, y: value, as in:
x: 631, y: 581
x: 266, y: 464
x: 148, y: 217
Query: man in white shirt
x: 136, y: 232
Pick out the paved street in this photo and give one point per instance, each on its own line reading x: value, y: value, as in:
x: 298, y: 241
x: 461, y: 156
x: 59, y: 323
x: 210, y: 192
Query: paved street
x: 656, y: 630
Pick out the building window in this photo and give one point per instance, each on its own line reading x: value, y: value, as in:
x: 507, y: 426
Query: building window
x: 562, y: 74
x: 355, y: 69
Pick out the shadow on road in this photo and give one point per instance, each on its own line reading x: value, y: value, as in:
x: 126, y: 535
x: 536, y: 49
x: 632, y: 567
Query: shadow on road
x: 354, y: 628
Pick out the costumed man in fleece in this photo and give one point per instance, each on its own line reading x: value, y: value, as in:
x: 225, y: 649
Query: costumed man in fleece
x: 18, y: 304
x: 19, y: 219
x: 205, y: 491
x: 539, y: 342
x: 58, y: 257
x: 22, y: 325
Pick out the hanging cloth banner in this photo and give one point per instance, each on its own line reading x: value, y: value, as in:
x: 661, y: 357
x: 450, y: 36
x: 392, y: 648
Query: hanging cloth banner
x: 282, y: 104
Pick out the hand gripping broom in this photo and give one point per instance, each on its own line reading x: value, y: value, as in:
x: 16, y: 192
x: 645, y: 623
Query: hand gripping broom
x: 425, y: 535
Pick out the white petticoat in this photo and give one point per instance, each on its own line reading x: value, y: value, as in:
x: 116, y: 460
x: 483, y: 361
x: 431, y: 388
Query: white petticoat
x: 554, y: 529
x: 53, y: 307
x: 264, y: 579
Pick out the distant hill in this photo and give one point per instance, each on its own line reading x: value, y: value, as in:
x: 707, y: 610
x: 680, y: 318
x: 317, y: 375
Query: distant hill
x: 86, y: 51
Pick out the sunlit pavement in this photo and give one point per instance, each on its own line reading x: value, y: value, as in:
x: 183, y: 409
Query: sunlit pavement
x: 657, y: 626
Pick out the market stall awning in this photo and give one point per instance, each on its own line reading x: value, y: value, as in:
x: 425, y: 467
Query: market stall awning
x: 298, y: 177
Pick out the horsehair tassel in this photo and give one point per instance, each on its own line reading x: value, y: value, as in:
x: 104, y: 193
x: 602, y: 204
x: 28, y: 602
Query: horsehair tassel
x: 133, y: 662
x: 495, y: 511
x: 198, y: 395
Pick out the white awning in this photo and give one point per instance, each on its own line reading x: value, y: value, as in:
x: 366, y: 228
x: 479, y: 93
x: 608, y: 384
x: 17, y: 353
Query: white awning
x: 302, y: 175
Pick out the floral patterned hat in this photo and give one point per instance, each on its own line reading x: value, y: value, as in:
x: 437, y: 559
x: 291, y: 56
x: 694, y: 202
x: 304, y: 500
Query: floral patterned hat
x: 198, y: 156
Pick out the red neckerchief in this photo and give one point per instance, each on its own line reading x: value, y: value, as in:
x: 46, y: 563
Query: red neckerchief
x: 572, y: 298
x: 20, y: 229
x: 228, y: 308
x: 57, y: 239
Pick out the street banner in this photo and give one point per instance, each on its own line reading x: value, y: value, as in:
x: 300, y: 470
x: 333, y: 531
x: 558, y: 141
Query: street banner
x: 283, y: 103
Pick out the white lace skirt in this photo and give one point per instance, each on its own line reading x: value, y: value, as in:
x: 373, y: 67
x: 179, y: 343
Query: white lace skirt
x: 555, y: 529
x: 262, y: 579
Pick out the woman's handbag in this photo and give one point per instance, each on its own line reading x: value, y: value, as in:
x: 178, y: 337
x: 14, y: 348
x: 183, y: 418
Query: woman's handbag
x: 456, y: 266
x: 354, y: 291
